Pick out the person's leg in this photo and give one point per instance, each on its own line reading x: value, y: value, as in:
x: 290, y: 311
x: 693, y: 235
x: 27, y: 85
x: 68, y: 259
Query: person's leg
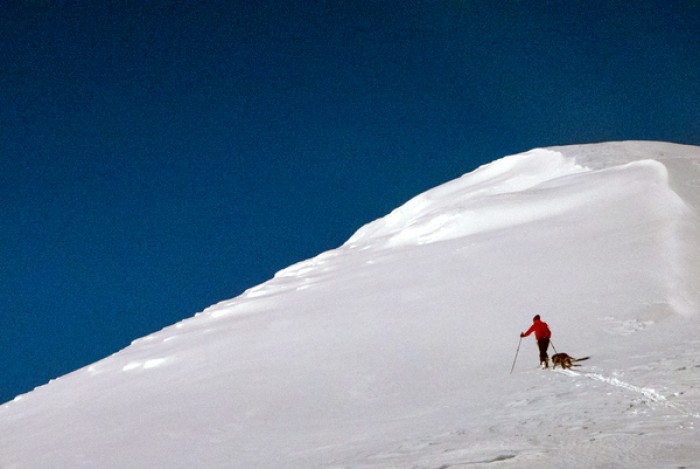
x: 544, y: 358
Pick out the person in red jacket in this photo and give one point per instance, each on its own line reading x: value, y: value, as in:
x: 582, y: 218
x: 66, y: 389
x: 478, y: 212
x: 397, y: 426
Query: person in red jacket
x: 542, y: 334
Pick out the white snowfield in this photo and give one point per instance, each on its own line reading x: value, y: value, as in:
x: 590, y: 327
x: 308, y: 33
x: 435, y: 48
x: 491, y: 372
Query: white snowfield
x: 394, y: 350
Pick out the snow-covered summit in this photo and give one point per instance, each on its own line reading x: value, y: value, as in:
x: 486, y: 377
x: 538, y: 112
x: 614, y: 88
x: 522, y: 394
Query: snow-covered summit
x: 394, y: 350
x: 456, y: 209
x: 484, y: 199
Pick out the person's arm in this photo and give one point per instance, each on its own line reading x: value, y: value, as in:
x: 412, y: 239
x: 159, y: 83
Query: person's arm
x: 529, y: 331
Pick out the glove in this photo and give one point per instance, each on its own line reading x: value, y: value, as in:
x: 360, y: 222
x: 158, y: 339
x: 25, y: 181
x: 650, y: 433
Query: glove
x: 522, y: 335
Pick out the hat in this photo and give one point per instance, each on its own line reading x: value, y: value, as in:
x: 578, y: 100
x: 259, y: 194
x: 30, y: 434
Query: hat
x: 536, y: 318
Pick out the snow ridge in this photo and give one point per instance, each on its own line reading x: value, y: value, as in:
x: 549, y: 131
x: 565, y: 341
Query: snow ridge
x: 477, y: 202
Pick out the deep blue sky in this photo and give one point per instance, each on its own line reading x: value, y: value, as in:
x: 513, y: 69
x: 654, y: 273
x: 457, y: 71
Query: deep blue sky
x: 158, y: 157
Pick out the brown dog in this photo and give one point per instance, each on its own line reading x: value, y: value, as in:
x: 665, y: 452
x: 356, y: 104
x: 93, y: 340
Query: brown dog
x: 565, y: 361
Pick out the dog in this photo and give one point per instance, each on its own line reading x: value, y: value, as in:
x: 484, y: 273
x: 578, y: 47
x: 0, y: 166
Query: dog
x: 565, y: 361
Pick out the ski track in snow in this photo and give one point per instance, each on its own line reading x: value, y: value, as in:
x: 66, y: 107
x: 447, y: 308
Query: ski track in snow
x: 649, y: 393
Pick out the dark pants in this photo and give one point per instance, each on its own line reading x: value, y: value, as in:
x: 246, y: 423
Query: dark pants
x: 543, y: 344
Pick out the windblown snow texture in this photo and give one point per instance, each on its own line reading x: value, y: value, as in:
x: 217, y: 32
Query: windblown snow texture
x: 394, y: 350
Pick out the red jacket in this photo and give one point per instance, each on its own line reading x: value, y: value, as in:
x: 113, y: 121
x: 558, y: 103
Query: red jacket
x: 540, y: 329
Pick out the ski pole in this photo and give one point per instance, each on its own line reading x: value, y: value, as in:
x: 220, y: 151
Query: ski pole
x: 516, y: 355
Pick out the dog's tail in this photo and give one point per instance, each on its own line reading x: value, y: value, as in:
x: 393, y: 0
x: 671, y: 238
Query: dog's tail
x: 580, y: 359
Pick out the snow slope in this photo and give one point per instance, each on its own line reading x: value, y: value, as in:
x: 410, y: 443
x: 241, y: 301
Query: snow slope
x: 394, y: 350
